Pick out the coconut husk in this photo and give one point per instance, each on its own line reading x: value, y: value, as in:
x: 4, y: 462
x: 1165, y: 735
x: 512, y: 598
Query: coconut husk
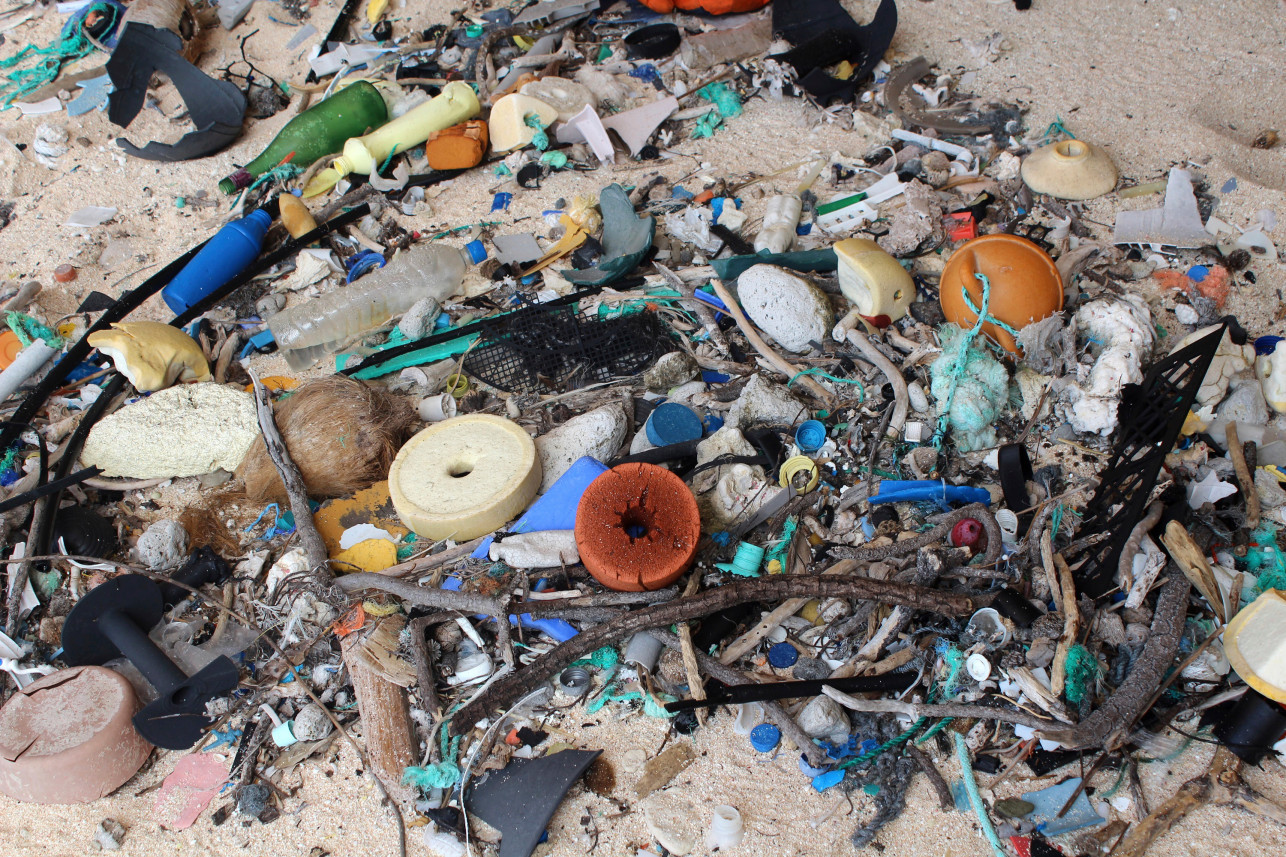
x: 342, y: 434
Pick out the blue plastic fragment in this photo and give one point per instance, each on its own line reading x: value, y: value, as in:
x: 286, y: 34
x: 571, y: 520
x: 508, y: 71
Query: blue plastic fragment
x: 680, y: 192
x: 822, y: 782
x: 906, y: 490
x: 1266, y: 345
x: 1049, y: 801
x: 715, y: 377
x: 811, y: 770
x: 359, y: 263
x: 868, y: 745
x: 500, y: 202
x: 1198, y: 273
x: 93, y: 95
x: 1229, y: 186
x: 765, y: 737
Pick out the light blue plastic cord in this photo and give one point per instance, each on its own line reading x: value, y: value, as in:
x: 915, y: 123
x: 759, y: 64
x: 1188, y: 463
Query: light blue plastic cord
x: 971, y: 786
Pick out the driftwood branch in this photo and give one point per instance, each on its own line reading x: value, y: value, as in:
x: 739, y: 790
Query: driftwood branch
x: 383, y: 705
x: 1220, y: 785
x: 773, y: 589
x: 309, y: 539
x: 1111, y: 723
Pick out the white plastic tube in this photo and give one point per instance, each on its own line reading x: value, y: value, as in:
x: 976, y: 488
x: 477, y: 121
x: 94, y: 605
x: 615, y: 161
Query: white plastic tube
x: 26, y: 364
x: 725, y: 829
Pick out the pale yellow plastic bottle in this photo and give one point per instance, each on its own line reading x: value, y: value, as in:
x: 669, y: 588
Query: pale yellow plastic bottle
x: 456, y: 103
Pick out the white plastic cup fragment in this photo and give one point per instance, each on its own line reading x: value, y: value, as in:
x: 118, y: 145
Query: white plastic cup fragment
x: 987, y: 625
x: 725, y: 828
x: 749, y: 715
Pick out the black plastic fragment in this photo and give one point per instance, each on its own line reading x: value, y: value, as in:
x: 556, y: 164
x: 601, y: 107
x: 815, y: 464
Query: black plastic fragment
x: 824, y: 34
x: 216, y: 107
x: 520, y: 799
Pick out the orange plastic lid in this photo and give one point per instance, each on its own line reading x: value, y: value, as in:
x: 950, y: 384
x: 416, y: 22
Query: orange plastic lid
x: 10, y: 345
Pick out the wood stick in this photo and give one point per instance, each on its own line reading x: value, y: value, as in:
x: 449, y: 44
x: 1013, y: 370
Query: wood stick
x: 1192, y: 562
x: 1109, y: 726
x: 1071, y: 625
x: 384, y: 707
x: 695, y: 686
x: 1244, y: 477
x: 778, y: 362
x: 916, y: 710
x: 788, y: 608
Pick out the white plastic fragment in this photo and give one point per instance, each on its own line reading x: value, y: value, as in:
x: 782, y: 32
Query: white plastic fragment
x: 959, y: 153
x: 544, y: 549
x: 1176, y: 224
x: 91, y: 215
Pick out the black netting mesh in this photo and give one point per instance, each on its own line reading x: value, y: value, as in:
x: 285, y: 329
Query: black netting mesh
x: 554, y: 349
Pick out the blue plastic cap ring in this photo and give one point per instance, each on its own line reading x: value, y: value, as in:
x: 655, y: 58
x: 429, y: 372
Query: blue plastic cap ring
x: 477, y: 251
x: 783, y: 655
x: 765, y: 737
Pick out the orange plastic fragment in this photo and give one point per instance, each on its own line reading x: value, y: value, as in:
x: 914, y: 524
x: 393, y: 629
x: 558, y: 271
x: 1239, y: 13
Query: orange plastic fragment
x: 351, y: 621
x: 458, y: 147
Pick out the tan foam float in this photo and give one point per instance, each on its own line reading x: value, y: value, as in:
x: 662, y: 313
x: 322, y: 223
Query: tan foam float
x: 464, y: 477
x: 1070, y: 169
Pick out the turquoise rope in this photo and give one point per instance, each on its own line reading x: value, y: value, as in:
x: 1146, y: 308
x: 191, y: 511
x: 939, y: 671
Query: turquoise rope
x: 983, y: 314
x: 971, y: 786
x: 70, y: 47
x: 816, y: 370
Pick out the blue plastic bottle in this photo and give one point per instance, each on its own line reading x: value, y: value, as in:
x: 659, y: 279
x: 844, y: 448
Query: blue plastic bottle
x: 223, y: 257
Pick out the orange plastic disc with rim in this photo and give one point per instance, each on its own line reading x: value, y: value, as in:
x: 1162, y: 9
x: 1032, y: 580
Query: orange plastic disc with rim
x: 10, y: 345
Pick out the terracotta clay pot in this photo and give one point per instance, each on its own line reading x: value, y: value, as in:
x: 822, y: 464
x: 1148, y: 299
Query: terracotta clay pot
x: 1025, y: 285
x: 69, y: 737
x: 637, y: 528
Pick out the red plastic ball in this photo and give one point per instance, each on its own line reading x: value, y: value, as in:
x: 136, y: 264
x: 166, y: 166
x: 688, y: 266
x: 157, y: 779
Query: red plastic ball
x: 969, y: 534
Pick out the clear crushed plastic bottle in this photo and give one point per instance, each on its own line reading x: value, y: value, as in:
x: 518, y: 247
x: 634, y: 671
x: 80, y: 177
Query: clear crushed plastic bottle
x: 308, y: 332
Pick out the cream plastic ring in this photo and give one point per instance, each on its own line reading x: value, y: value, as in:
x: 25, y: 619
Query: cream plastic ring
x: 464, y: 477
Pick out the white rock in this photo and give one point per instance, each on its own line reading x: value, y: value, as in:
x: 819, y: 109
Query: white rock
x: 671, y: 370
x: 919, y: 399
x: 185, y: 430
x: 789, y: 308
x: 419, y: 319
x: 598, y: 434
x: 1245, y: 403
x: 163, y: 545
x: 825, y: 718
x: 762, y: 401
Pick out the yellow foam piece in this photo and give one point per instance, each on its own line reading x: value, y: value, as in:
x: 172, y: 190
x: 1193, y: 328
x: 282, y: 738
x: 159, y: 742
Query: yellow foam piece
x: 369, y: 555
x: 152, y: 355
x: 464, y: 477
x: 370, y: 506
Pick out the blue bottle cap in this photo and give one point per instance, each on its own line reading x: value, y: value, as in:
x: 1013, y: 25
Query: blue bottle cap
x: 765, y: 737
x: 477, y: 251
x: 783, y: 655
x: 673, y: 423
x: 810, y: 435
x: 1265, y: 345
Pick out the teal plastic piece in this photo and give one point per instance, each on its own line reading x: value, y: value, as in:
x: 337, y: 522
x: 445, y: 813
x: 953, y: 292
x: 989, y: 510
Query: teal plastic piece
x: 626, y: 238
x: 433, y: 353
x: 800, y: 260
